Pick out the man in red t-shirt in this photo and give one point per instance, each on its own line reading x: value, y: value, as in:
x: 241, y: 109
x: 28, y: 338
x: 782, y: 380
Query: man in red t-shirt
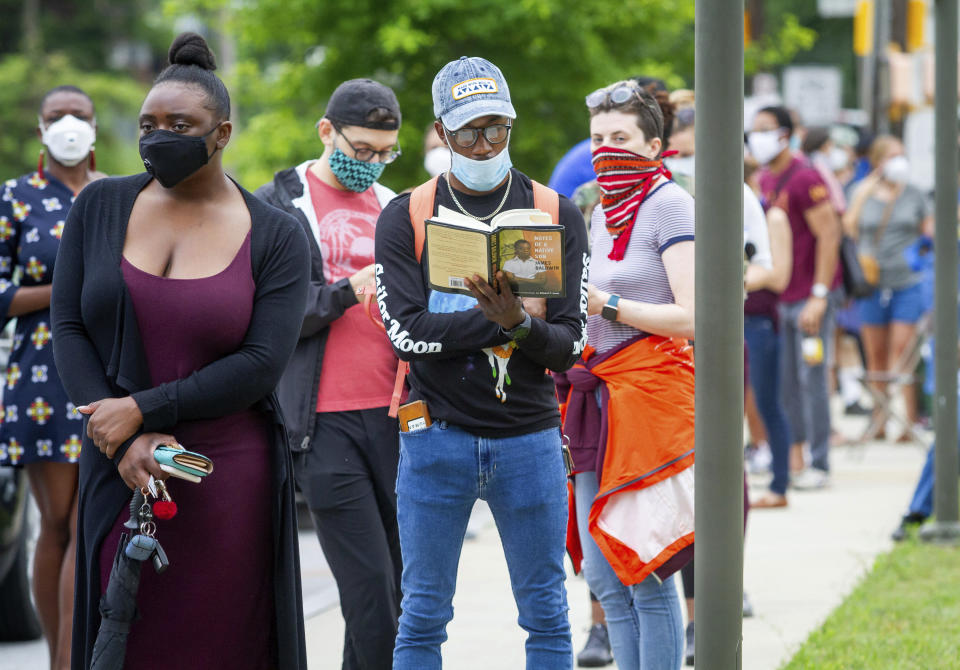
x: 336, y: 390
x: 807, y: 305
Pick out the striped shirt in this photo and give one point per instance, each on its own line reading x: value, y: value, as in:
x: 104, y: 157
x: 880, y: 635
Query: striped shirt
x: 664, y: 218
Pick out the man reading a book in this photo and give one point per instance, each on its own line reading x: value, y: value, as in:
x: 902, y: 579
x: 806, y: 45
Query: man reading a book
x: 337, y: 386
x: 477, y: 362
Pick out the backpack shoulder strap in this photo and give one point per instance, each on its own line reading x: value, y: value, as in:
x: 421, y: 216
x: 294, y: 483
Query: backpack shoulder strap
x: 421, y: 209
x: 546, y: 200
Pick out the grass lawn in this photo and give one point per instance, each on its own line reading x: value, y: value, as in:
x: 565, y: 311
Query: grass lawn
x: 904, y: 614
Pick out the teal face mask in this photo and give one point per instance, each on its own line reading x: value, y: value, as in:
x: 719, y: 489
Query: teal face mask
x: 353, y: 174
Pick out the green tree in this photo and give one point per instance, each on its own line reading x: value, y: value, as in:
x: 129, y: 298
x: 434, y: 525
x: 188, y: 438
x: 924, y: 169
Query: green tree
x: 292, y: 53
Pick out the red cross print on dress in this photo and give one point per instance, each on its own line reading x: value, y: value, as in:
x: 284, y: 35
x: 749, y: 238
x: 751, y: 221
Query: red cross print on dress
x: 37, y: 181
x: 14, y: 451
x: 71, y: 448
x: 41, y: 335
x: 6, y: 229
x: 20, y: 210
x: 40, y: 410
x: 57, y: 230
x: 13, y: 375
x: 36, y: 269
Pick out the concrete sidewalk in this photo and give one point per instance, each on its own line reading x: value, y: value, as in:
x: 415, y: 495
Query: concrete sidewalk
x: 800, y: 563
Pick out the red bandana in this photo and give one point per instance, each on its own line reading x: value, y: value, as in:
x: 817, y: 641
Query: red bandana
x: 626, y: 179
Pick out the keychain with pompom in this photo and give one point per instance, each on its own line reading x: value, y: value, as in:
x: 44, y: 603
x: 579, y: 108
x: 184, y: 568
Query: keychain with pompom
x: 164, y: 507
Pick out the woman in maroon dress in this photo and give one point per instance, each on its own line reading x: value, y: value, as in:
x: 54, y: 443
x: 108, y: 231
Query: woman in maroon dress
x: 191, y: 291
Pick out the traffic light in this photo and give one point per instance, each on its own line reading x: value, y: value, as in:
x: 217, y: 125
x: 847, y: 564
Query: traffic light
x: 863, y: 28
x: 916, y: 22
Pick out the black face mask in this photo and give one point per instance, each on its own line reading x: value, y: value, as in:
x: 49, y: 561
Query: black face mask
x: 172, y: 157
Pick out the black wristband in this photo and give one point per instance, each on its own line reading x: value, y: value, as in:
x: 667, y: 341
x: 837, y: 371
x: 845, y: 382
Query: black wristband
x: 610, y: 311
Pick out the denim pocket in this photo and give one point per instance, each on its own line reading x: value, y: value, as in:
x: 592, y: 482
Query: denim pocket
x: 420, y: 431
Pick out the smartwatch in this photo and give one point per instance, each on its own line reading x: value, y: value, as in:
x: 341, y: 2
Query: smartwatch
x: 819, y: 291
x: 610, y: 311
x: 521, y: 330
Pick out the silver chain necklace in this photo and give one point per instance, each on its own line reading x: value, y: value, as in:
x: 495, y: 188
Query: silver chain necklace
x: 492, y: 214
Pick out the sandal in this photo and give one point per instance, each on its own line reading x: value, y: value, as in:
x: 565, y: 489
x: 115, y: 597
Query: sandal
x: 769, y: 501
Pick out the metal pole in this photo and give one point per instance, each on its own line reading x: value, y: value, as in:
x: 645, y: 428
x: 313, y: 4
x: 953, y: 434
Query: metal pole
x: 946, y: 528
x: 883, y: 14
x: 719, y: 333
x: 867, y: 64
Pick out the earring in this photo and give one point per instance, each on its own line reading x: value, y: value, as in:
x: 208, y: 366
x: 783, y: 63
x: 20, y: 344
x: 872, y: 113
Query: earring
x: 40, y: 165
x: 93, y: 161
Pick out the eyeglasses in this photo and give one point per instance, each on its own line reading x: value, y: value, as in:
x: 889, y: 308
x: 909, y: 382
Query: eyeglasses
x: 466, y: 137
x: 617, y: 96
x: 365, y: 155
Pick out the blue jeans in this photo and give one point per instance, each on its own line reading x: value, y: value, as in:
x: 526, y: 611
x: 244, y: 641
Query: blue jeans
x: 646, y: 630
x: 922, y: 501
x: 443, y: 470
x: 763, y: 347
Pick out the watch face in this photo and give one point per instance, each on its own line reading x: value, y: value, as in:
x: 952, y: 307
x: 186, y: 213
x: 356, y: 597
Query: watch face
x: 519, y: 333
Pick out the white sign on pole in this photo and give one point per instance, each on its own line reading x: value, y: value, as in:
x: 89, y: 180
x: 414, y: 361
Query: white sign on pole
x: 918, y: 143
x: 832, y: 9
x: 815, y: 92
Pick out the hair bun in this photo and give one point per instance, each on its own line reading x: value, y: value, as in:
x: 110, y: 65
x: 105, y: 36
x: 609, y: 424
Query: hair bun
x: 191, y: 49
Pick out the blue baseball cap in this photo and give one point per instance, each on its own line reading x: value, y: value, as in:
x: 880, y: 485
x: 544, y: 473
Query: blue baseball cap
x: 469, y: 88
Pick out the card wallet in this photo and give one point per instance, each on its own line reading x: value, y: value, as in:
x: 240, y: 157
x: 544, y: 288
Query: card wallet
x: 178, y: 461
x: 414, y: 416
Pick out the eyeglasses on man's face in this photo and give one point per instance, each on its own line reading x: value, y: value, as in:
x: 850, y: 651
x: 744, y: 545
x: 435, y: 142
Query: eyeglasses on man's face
x: 467, y: 136
x: 366, y: 155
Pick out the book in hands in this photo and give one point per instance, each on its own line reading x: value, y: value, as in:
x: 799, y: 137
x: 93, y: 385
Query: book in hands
x: 524, y: 243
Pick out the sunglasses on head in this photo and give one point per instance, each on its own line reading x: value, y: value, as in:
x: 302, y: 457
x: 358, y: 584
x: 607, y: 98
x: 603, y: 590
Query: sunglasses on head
x: 617, y: 96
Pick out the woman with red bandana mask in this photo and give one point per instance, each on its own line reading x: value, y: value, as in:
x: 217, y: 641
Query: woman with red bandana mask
x: 629, y: 411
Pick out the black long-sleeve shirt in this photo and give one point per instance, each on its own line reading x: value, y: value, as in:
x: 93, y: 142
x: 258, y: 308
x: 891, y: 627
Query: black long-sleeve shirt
x: 462, y: 364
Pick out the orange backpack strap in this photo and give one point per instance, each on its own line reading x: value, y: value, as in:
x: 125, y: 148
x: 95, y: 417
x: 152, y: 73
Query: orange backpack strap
x: 546, y: 200
x: 421, y: 209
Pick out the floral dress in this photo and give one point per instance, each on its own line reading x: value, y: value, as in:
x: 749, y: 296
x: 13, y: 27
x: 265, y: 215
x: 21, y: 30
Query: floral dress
x: 39, y: 423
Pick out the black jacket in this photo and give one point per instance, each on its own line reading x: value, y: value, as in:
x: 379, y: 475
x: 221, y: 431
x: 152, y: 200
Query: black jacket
x: 325, y: 303
x: 99, y: 354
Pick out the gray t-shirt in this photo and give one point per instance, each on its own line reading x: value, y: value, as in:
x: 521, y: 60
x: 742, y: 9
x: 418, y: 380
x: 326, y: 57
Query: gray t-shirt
x: 902, y: 230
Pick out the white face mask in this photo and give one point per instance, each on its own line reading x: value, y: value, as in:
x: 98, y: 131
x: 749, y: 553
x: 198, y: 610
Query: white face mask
x: 682, y: 165
x: 481, y: 175
x: 68, y: 139
x: 437, y: 161
x: 838, y: 159
x: 765, y: 145
x: 897, y: 170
